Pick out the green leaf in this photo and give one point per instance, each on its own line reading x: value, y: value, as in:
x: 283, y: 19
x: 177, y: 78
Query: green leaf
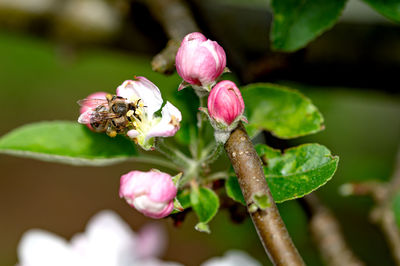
x: 296, y: 23
x: 233, y: 190
x: 262, y: 201
x: 388, y: 8
x: 286, y: 113
x: 396, y: 208
x: 298, y: 171
x: 205, y: 203
x: 293, y: 174
x: 66, y: 142
x: 184, y: 198
x: 202, y: 227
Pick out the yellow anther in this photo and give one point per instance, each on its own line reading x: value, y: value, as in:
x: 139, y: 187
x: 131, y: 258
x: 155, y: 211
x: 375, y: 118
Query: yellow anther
x: 138, y: 111
x: 129, y: 113
x: 174, y: 121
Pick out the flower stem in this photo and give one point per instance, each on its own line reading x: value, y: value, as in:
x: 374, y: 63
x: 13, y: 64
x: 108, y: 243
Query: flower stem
x: 156, y: 160
x: 173, y: 154
x: 211, y: 156
x: 269, y: 225
x: 200, y: 126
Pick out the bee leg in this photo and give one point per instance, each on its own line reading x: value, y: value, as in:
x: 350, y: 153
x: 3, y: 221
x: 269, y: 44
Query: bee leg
x: 111, y: 131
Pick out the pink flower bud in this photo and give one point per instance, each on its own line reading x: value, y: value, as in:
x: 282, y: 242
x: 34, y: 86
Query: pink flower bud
x: 225, y: 103
x: 200, y: 61
x: 152, y: 193
x: 92, y: 105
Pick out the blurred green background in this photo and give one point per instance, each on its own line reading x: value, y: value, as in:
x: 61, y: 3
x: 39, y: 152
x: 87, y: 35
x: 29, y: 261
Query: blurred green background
x: 42, y: 77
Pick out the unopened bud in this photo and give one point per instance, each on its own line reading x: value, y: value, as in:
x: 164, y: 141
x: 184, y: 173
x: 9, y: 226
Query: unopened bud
x: 200, y: 61
x: 151, y: 193
x: 225, y: 103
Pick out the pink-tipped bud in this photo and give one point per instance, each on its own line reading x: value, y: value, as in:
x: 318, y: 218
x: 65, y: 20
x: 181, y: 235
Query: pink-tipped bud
x: 151, y: 193
x: 225, y: 103
x: 87, y: 105
x: 200, y: 61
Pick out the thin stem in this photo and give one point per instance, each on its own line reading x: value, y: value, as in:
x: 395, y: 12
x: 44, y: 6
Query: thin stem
x: 156, y: 160
x: 191, y: 173
x: 218, y: 175
x: 177, y: 21
x: 326, y: 233
x: 382, y: 214
x: 269, y: 225
x: 211, y: 156
x: 173, y: 154
x: 200, y: 126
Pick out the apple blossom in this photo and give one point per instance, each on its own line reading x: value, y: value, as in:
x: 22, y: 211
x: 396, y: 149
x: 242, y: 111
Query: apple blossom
x: 151, y: 193
x: 147, y: 97
x: 232, y: 258
x: 200, y: 61
x: 108, y: 241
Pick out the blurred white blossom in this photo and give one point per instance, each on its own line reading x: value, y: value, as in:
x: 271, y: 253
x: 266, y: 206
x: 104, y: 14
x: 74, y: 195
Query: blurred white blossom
x: 232, y: 258
x: 107, y: 241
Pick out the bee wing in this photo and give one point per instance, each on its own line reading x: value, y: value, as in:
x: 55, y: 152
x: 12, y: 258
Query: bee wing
x: 86, y: 117
x: 91, y: 116
x: 93, y: 103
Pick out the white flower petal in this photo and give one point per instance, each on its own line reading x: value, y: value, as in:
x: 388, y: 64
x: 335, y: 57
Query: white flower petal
x: 151, y: 241
x: 143, y: 203
x: 132, y: 133
x: 232, y: 258
x: 107, y: 241
x: 150, y: 95
x: 41, y: 248
x: 169, y: 124
x: 126, y: 90
x: 144, y: 89
x: 157, y: 262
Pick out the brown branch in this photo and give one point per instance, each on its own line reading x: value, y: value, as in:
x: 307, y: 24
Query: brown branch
x: 268, y: 222
x: 164, y: 62
x: 177, y: 21
x: 326, y: 232
x: 382, y: 214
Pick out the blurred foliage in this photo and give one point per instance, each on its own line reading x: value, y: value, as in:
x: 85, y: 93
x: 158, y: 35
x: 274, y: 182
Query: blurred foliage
x: 388, y: 8
x: 296, y: 23
x: 396, y: 208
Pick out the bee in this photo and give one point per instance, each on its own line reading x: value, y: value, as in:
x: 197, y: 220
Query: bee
x: 113, y: 115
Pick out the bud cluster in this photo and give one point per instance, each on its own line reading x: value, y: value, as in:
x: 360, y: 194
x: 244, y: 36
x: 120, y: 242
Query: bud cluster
x: 200, y: 62
x: 134, y: 112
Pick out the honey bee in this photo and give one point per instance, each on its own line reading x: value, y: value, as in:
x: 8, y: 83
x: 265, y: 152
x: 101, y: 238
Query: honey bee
x: 113, y: 115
